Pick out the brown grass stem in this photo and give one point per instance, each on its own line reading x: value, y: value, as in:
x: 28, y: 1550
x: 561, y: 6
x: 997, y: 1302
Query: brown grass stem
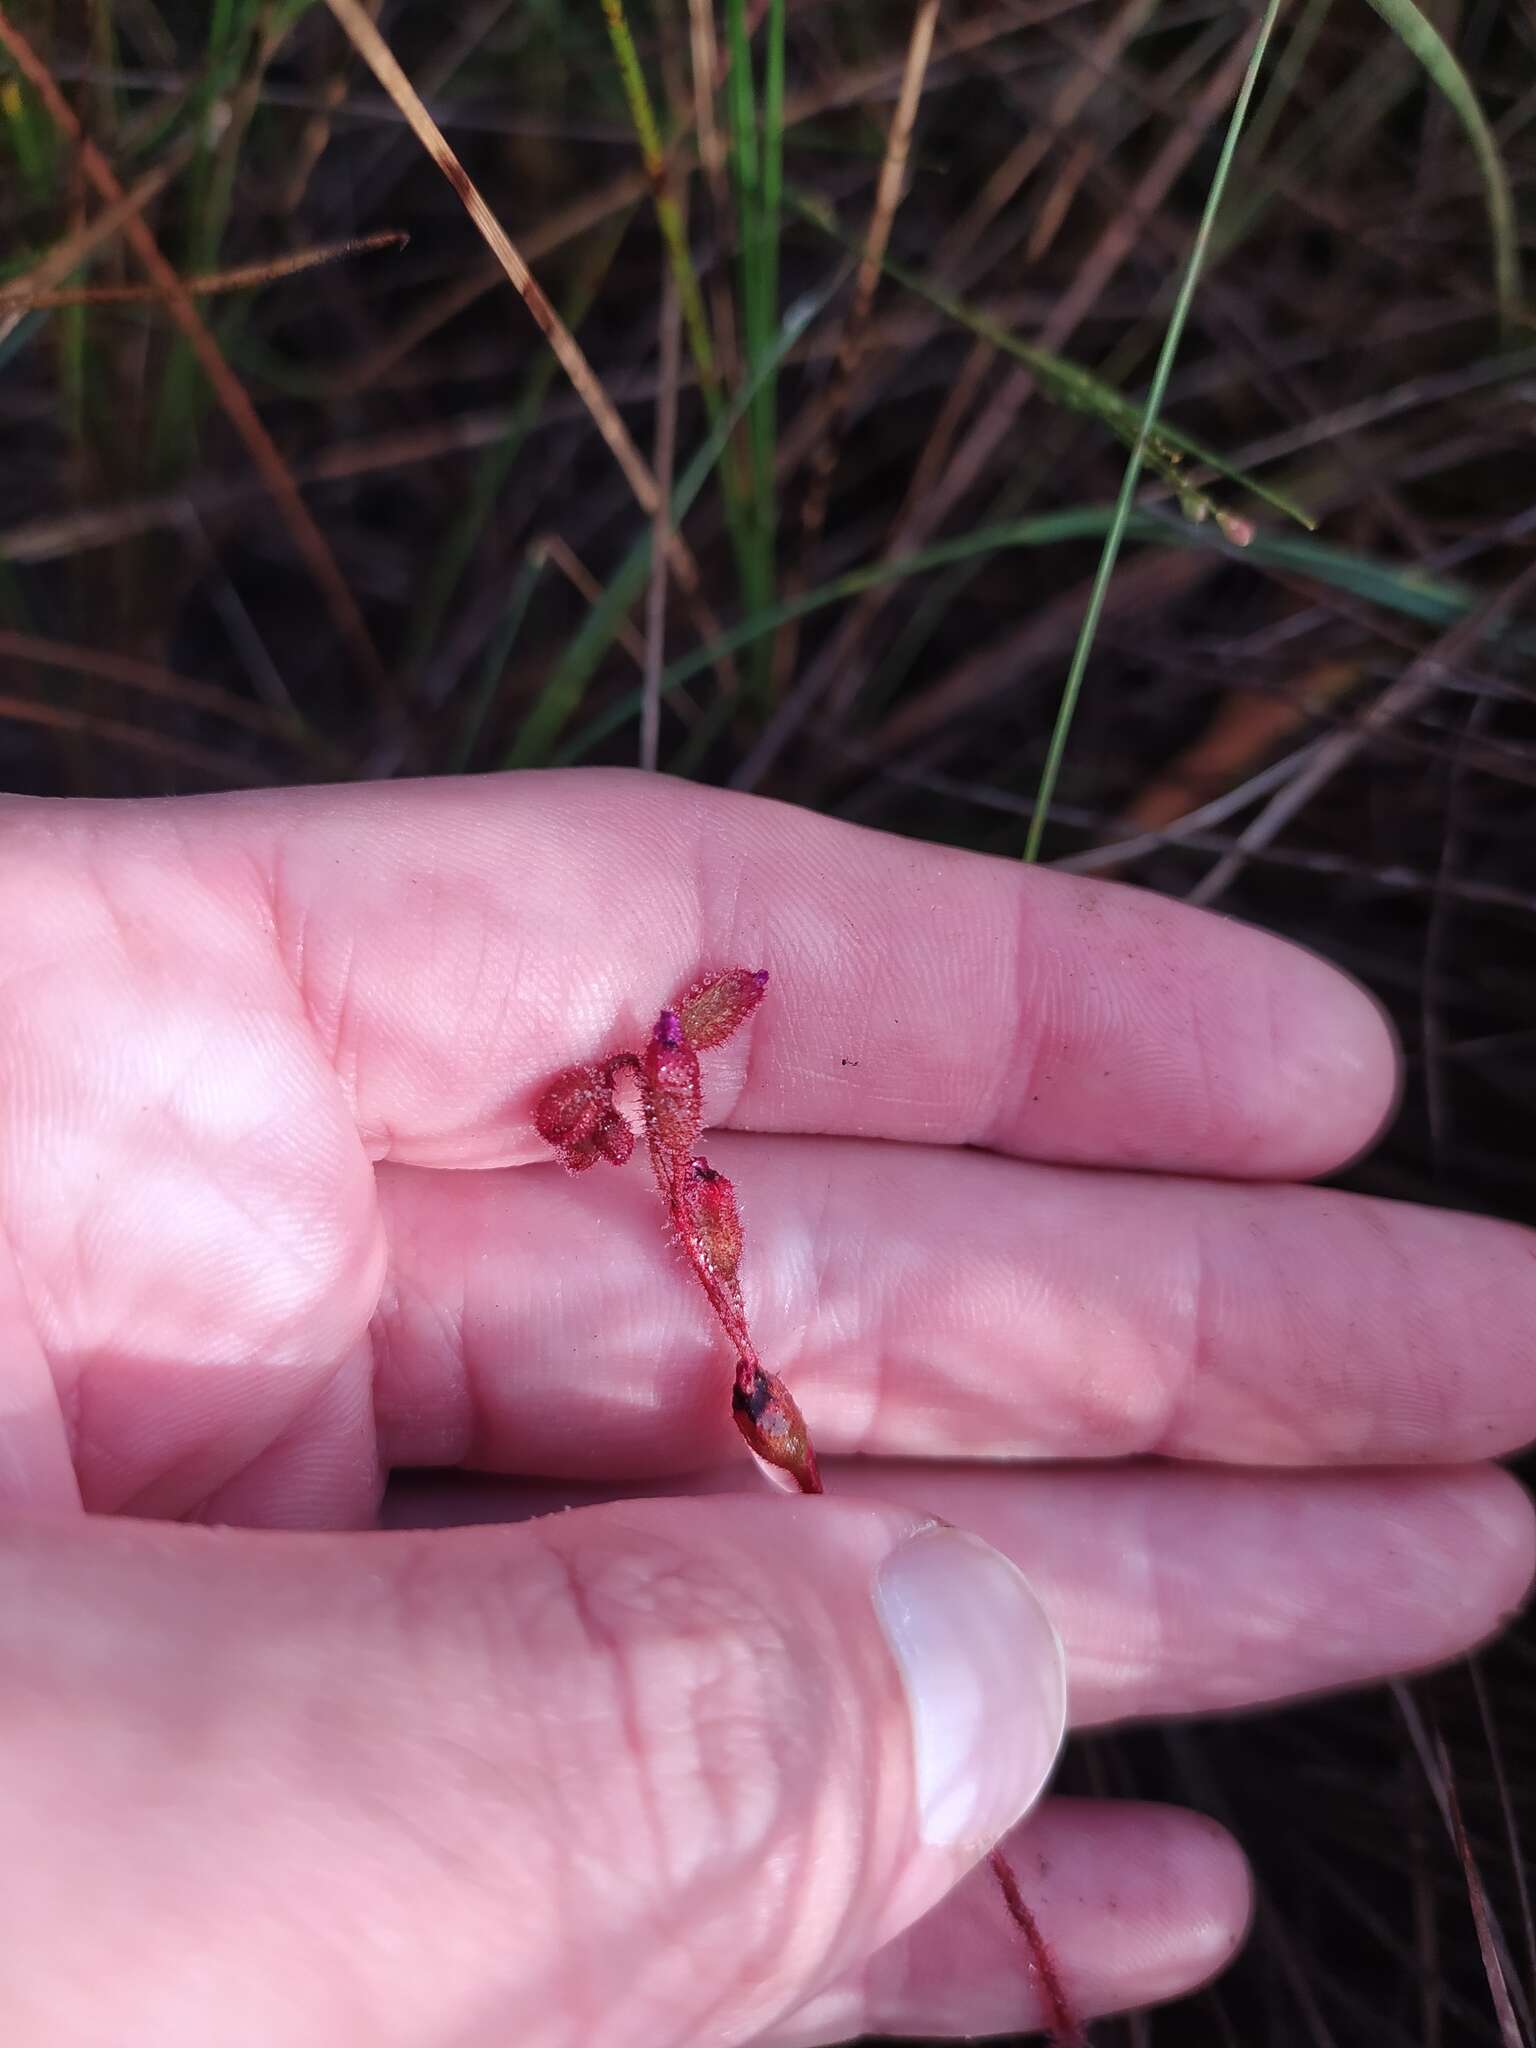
x: 230, y: 392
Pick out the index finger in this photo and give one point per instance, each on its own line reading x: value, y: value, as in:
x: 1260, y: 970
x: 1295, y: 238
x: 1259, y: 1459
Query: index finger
x: 455, y: 943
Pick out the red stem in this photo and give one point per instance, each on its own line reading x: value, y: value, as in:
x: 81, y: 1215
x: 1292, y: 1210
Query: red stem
x: 1064, y: 2029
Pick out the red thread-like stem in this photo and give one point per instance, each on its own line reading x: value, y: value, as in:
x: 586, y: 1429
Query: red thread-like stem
x: 1065, y: 2031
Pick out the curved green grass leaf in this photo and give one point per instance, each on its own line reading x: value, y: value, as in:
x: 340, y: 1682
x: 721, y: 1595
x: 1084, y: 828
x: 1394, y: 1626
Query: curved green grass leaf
x: 1418, y: 34
x: 560, y: 697
x: 1407, y: 592
x: 1120, y: 518
x: 1069, y: 384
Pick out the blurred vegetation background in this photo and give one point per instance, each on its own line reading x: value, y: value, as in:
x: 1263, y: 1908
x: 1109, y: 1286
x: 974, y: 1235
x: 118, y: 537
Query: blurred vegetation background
x: 872, y: 297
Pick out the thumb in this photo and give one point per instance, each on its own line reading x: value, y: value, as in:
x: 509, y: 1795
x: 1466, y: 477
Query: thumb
x: 637, y: 1774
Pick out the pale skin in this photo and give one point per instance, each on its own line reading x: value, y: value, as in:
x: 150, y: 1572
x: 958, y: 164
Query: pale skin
x: 1019, y: 1161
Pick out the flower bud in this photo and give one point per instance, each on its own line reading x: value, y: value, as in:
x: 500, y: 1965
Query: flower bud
x: 714, y: 1007
x: 572, y: 1106
x: 670, y: 1084
x: 769, y: 1418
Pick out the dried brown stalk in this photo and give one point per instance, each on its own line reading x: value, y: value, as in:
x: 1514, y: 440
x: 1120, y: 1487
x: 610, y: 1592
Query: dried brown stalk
x: 1057, y: 203
x: 23, y: 292
x: 231, y: 394
x: 206, y: 762
x: 877, y: 240
x: 315, y: 136
x: 931, y: 496
x: 24, y: 297
x: 151, y: 680
x: 656, y: 592
x: 564, y: 557
x: 381, y: 60
x: 1418, y: 681
x: 587, y: 212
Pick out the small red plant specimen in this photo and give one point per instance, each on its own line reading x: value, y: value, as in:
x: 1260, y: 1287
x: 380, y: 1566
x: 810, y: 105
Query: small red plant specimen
x: 578, y: 1115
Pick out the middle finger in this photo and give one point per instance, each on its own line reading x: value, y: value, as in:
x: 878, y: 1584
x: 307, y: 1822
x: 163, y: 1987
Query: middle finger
x: 948, y: 1304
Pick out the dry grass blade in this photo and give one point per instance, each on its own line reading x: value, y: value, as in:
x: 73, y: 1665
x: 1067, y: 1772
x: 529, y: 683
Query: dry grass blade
x: 1092, y: 278
x: 1247, y: 727
x: 1083, y: 81
x: 590, y: 211
x: 149, y: 679
x: 243, y: 277
x: 308, y: 538
x: 1057, y: 203
x: 315, y: 136
x: 1190, y: 828
x: 1511, y: 1824
x: 1477, y: 1897
x: 559, y: 553
x: 929, y: 499
x: 22, y: 293
x: 706, y: 66
x: 205, y: 762
x: 704, y: 63
x: 381, y: 60
x: 656, y: 590
x: 887, y: 198
x: 1417, y: 682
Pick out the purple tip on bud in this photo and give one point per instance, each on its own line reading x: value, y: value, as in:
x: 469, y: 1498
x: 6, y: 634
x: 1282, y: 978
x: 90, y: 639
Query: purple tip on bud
x: 760, y: 979
x: 668, y: 1031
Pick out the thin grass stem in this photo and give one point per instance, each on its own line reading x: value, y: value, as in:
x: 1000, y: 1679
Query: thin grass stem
x: 1133, y: 468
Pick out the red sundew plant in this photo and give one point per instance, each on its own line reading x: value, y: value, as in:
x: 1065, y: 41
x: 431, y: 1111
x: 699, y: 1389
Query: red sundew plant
x: 578, y: 1115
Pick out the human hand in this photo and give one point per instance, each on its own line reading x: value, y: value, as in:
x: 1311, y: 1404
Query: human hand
x: 1011, y: 1151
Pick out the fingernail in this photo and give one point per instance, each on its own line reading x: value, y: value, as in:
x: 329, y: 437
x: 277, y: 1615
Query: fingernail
x: 985, y: 1683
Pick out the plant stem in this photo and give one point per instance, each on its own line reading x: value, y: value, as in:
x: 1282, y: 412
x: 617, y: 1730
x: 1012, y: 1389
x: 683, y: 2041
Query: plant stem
x: 1133, y: 467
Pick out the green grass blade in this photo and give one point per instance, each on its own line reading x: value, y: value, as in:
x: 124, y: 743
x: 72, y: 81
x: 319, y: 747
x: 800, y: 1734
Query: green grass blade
x: 184, y: 397
x: 669, y: 219
x: 1419, y: 35
x: 1069, y: 384
x: 754, y: 263
x: 457, y: 550
x: 494, y: 666
x: 1407, y: 592
x: 31, y: 137
x: 1112, y: 540
x: 765, y: 405
x: 560, y: 698
x: 1287, y: 69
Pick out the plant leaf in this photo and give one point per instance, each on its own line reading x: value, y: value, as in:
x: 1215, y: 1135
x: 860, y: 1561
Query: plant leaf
x: 1419, y: 35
